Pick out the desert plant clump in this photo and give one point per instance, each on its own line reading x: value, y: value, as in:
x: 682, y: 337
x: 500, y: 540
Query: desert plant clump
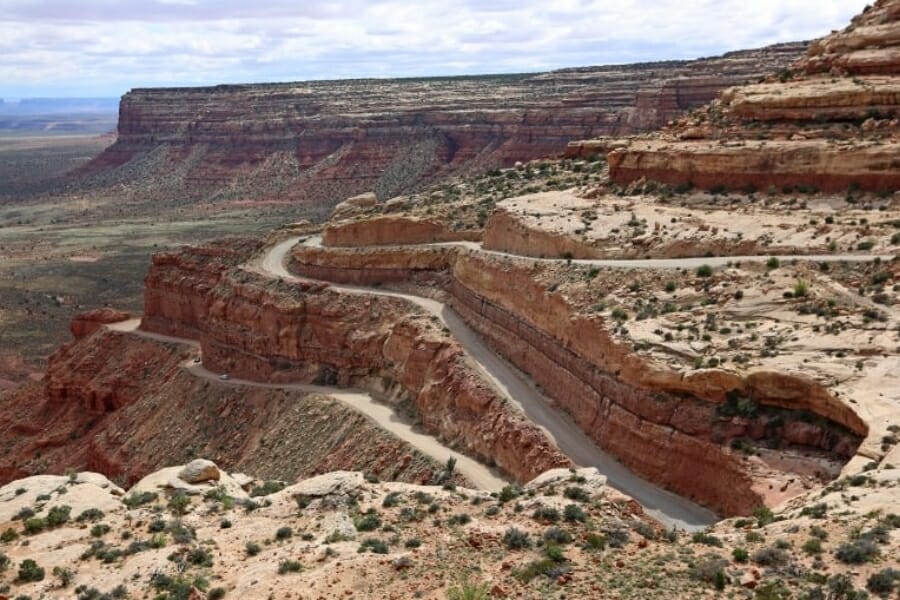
x: 468, y: 590
x: 373, y: 545
x: 29, y: 572
x: 516, y: 539
x: 289, y: 566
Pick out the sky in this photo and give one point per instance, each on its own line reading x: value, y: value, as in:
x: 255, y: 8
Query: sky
x: 103, y: 48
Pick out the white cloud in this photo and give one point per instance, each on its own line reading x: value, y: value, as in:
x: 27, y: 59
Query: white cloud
x: 98, y: 47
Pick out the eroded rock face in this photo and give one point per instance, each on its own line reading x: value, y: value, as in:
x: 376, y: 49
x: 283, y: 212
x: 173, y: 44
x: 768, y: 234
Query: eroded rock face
x: 662, y: 424
x: 109, y: 402
x: 392, y: 230
x: 828, y: 123
x: 263, y: 330
x: 87, y: 323
x: 325, y: 141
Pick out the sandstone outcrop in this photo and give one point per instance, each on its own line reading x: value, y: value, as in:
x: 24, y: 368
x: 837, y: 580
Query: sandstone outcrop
x: 827, y: 123
x: 662, y: 424
x: 262, y: 330
x: 321, y: 142
x: 390, y: 230
x: 87, y: 323
x: 109, y: 401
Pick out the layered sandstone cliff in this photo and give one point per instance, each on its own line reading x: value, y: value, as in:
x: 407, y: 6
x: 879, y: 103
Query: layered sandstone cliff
x: 123, y: 405
x: 325, y: 141
x: 827, y: 123
x: 663, y: 424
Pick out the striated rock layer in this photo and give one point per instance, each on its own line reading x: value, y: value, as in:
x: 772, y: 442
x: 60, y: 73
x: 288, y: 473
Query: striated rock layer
x: 661, y: 424
x: 325, y: 141
x: 123, y: 405
x: 829, y: 123
x: 264, y: 330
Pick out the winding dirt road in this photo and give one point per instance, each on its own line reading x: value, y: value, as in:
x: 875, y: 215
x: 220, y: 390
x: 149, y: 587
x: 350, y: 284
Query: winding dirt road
x: 480, y: 475
x: 520, y: 391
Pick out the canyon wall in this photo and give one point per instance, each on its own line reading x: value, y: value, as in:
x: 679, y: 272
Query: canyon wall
x: 122, y: 405
x: 321, y: 142
x: 828, y: 123
x: 663, y: 425
x: 261, y: 329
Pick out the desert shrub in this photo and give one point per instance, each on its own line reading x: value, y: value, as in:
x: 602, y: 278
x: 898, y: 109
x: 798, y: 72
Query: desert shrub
x: 373, y: 545
x: 707, y: 539
x: 9, y: 535
x: 594, y: 541
x: 64, y: 575
x: 4, y: 562
x: 284, y: 533
x: 216, y: 594
x: 579, y: 494
x: 368, y: 522
x: 29, y: 571
x: 645, y: 530
x: 467, y: 590
x: 459, y: 519
x: 816, y: 511
x: 179, y: 503
x: 58, y: 515
x: 857, y: 551
x: 413, y: 543
x: 91, y: 514
x: 573, y: 513
x: 391, y: 500
x: 704, y: 271
x: 556, y: 535
x: 764, y: 515
x: 546, y: 514
x: 516, y: 539
x: 139, y: 499
x: 99, y: 530
x: 509, y: 492
x: 883, y: 582
x: 770, y: 557
x: 289, y: 566
x: 710, y: 569
x: 813, y: 546
x: 34, y: 525
x: 773, y: 262
x: 23, y: 513
x: 252, y: 548
x: 740, y: 555
x: 617, y: 535
x: 772, y: 590
x: 200, y: 557
x: 267, y: 488
x: 545, y: 567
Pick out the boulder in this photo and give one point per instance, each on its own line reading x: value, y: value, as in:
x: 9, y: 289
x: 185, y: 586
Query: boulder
x: 199, y: 471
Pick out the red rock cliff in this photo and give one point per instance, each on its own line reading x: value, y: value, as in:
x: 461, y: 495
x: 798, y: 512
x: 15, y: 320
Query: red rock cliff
x: 325, y: 141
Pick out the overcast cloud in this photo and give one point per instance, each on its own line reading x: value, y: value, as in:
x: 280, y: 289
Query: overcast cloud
x: 105, y: 47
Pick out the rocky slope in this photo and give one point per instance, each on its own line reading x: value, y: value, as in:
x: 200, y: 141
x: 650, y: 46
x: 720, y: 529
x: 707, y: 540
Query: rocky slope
x: 827, y: 123
x: 124, y: 406
x: 325, y: 141
x: 199, y: 532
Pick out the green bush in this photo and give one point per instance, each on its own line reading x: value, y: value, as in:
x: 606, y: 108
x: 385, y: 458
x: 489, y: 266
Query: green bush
x: 139, y: 499
x: 29, y: 571
x: 773, y: 262
x: 91, y: 514
x: 740, y: 555
x: 857, y: 551
x: 704, y: 271
x: 289, y: 566
x: 267, y: 488
x: 573, y: 513
x: 284, y: 533
x: 374, y: 546
x: 368, y: 522
x: 9, y: 535
x: 252, y: 548
x: 516, y: 539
